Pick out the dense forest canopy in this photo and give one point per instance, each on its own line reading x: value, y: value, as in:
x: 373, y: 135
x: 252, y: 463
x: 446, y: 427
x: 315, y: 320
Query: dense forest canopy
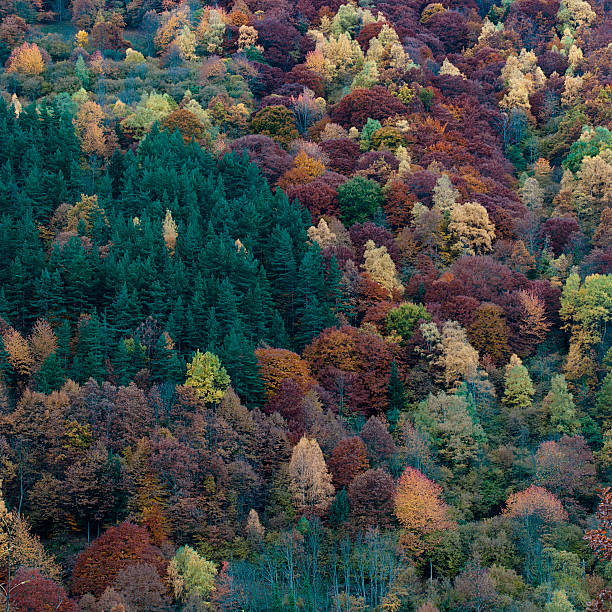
x: 305, y: 305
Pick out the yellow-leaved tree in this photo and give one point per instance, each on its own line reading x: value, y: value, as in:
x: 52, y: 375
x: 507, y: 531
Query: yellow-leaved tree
x: 311, y: 483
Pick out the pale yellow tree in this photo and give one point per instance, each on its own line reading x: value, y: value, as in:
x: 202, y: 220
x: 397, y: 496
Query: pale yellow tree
x: 170, y: 232
x: 310, y: 482
x: 448, y: 68
x: 445, y: 196
x: 254, y: 529
x: 247, y: 37
x: 459, y: 358
x: 342, y: 58
x: 593, y: 187
x: 471, y: 227
x: 211, y: 30
x: 386, y: 51
x: 322, y: 234
x: 186, y: 41
x: 532, y: 194
x: 522, y: 76
x: 575, y: 13
x: 574, y: 56
x: 571, y: 90
x: 380, y: 267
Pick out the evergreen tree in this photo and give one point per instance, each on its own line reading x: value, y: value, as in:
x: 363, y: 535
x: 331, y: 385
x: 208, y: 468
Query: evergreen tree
x: 51, y: 375
x: 396, y: 395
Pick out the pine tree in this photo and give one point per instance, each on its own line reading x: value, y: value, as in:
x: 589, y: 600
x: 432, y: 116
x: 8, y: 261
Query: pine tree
x: 51, y: 375
x: 396, y: 395
x: 339, y: 510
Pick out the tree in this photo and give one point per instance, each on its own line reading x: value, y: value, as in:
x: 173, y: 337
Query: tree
x: 37, y: 592
x: 535, y: 501
x: 311, y: 484
x: 19, y: 353
x: 142, y: 588
x: 363, y: 104
x: 190, y: 573
x: 518, y: 388
x: 277, y: 365
x: 396, y: 394
x: 459, y: 358
x: 348, y: 459
x: 471, y: 227
x: 476, y: 588
x: 20, y: 548
x: 566, y: 468
x: 186, y: 123
x: 207, y: 376
x: 377, y: 439
x: 419, y: 506
x: 558, y: 405
x: 559, y: 603
x: 169, y: 232
x: 119, y: 547
x: 403, y: 320
x: 371, y: 498
x: 489, y: 334
x: 277, y: 122
x: 379, y: 266
x: 359, y: 198
x: 26, y: 59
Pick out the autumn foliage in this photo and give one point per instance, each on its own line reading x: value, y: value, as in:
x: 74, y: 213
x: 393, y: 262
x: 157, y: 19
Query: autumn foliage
x: 116, y: 549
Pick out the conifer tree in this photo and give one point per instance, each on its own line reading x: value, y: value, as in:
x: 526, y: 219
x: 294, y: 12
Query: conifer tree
x: 396, y: 395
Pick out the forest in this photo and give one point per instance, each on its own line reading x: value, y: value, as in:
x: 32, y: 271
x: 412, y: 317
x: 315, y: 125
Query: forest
x: 305, y: 305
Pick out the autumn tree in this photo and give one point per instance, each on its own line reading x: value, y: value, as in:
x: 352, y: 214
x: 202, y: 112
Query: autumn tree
x: 371, y: 498
x: 535, y: 501
x: 142, y: 588
x: 419, y: 507
x: 34, y: 591
x: 277, y: 122
x: 311, y: 484
x: 277, y: 365
x: 207, y: 376
x: 189, y: 573
x: 459, y: 358
x: 348, y: 459
x: 470, y: 226
x: 488, y: 332
x: 26, y: 59
x: 380, y: 267
x: 119, y: 547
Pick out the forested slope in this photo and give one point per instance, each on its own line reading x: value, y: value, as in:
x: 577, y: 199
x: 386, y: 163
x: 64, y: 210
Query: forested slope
x: 305, y: 305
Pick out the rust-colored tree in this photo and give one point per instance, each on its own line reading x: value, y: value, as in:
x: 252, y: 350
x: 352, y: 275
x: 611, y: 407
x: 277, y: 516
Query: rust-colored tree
x: 119, y: 547
x: 348, y: 459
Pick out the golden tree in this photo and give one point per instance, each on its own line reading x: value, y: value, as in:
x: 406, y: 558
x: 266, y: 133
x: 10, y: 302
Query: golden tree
x: 311, y: 483
x: 26, y: 59
x: 471, y: 227
x: 380, y: 267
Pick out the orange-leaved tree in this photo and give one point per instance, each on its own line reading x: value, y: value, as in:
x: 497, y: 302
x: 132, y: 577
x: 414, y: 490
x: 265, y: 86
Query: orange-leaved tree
x: 420, y: 508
